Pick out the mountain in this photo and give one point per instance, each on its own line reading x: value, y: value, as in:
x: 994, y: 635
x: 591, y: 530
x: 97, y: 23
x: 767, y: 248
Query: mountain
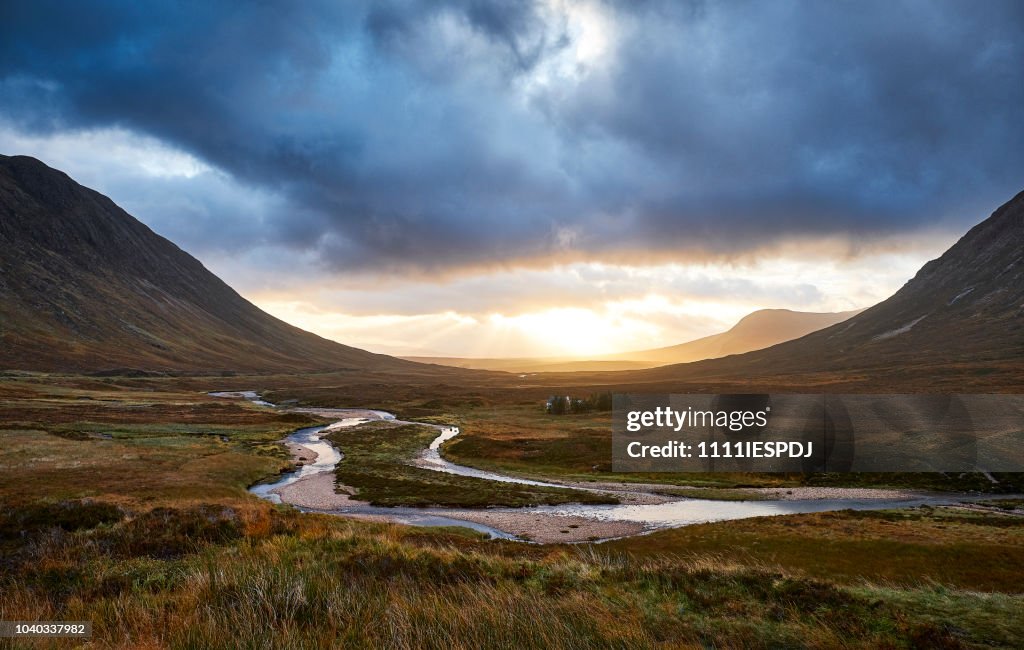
x: 959, y: 322
x: 759, y: 329
x: 84, y: 286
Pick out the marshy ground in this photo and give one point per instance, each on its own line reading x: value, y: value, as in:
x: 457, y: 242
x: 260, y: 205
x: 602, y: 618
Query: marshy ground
x: 124, y: 502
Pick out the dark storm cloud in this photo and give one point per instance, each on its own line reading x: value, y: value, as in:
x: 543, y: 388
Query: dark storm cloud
x: 445, y: 134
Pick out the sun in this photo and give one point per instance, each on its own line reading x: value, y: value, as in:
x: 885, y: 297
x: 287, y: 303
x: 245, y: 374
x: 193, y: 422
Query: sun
x: 571, y: 331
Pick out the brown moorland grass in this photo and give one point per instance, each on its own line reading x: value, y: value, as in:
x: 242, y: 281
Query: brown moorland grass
x: 209, y: 576
x: 59, y: 443
x: 150, y: 534
x: 907, y: 548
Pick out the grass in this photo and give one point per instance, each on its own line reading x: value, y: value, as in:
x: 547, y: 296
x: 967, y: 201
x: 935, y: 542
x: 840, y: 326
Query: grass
x: 141, y: 446
x: 123, y: 502
x: 986, y: 619
x: 906, y: 548
x: 205, y: 576
x: 375, y: 463
x: 521, y: 439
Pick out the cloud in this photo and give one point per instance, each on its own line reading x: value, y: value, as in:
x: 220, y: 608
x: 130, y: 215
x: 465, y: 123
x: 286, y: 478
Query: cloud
x: 433, y: 136
x: 727, y: 291
x: 196, y: 206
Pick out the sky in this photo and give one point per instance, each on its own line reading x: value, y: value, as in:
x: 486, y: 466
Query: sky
x: 493, y: 178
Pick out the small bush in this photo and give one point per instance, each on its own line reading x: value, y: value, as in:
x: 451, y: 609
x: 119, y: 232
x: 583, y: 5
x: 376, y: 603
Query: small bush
x: 19, y: 521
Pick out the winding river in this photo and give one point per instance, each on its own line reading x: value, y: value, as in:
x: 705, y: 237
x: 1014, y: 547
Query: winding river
x: 607, y: 521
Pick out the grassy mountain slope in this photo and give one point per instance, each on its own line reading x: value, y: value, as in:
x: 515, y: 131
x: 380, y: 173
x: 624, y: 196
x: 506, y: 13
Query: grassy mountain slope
x: 757, y: 330
x: 84, y: 286
x: 960, y: 318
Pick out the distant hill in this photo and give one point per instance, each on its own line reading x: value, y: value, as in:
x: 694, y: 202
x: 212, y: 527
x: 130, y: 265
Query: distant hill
x: 84, y: 286
x: 959, y: 322
x: 759, y: 329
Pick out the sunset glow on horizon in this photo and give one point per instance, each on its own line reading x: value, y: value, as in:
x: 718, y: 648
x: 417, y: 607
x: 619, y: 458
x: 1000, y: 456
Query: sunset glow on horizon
x: 607, y: 320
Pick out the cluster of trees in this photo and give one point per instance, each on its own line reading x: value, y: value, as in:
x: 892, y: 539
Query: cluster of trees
x: 563, y: 404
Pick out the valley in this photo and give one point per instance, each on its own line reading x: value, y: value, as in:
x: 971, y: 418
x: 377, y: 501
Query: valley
x: 151, y: 486
x: 170, y: 466
x: 384, y: 460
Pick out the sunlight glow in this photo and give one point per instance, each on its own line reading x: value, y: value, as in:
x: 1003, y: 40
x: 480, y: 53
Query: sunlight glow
x: 574, y: 331
x: 581, y: 310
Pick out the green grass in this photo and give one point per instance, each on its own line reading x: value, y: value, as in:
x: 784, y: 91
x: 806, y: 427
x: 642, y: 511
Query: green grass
x: 984, y: 619
x: 375, y: 464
